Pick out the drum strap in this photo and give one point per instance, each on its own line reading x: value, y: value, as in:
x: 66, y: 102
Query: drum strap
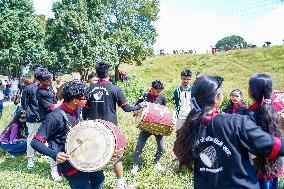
x: 66, y: 119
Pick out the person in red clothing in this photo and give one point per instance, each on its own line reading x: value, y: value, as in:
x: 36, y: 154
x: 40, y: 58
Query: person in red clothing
x: 236, y: 104
x: 262, y: 112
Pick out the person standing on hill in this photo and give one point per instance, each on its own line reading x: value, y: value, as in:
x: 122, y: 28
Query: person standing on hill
x: 153, y: 96
x: 30, y: 106
x: 262, y: 112
x: 47, y: 102
x: 181, y: 98
x: 102, y: 99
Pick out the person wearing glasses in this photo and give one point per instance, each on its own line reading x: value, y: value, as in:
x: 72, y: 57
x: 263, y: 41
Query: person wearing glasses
x: 54, y: 131
x: 216, y: 147
x: 12, y: 139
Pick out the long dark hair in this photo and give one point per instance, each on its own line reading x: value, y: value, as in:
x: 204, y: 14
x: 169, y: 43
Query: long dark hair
x: 204, y: 91
x: 22, y: 125
x: 261, y: 88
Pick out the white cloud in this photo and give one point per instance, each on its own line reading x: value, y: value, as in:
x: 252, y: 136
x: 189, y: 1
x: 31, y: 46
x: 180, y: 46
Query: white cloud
x: 269, y: 28
x: 186, y: 29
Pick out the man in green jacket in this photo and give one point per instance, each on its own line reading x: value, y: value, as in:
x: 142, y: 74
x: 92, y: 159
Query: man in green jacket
x: 181, y: 98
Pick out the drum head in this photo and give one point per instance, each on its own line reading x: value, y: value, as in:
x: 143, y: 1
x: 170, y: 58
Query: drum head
x: 90, y: 145
x: 141, y: 114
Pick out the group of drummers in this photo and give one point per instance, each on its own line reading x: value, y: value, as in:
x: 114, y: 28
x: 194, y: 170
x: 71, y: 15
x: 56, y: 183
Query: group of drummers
x: 239, y: 148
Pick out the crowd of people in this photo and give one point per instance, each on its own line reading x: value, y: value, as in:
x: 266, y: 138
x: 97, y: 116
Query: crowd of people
x: 237, y: 147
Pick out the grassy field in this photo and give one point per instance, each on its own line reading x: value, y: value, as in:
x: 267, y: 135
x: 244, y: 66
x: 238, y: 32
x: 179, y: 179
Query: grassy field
x: 236, y: 67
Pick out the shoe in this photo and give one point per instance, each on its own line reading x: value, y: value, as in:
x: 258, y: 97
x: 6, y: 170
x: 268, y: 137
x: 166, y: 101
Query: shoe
x: 8, y: 155
x: 55, y: 176
x: 159, y: 167
x: 31, y: 163
x: 134, y: 169
x: 124, y: 186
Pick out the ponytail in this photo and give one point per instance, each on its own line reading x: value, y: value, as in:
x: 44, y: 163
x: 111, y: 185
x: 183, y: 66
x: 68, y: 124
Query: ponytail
x: 204, y: 91
x: 261, y: 87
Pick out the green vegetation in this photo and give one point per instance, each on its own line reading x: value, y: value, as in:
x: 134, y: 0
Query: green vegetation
x: 81, y: 34
x: 235, y: 66
x: 231, y: 43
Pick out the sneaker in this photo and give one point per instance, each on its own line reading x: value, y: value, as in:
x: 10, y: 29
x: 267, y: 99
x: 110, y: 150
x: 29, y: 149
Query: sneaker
x: 159, y: 167
x: 124, y: 186
x: 8, y: 155
x: 31, y: 163
x: 134, y: 169
x: 55, y: 176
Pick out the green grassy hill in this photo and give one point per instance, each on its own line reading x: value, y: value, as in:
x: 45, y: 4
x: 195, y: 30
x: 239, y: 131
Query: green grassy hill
x: 235, y: 66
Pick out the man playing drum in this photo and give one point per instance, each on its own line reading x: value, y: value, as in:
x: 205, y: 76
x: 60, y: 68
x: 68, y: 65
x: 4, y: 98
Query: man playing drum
x: 101, y: 104
x: 54, y: 130
x: 153, y: 96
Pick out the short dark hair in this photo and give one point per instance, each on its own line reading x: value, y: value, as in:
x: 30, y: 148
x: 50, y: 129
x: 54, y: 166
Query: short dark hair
x: 102, y: 70
x: 157, y: 84
x: 237, y: 91
x: 42, y: 74
x: 73, y: 90
x: 91, y: 75
x: 186, y: 73
x: 36, y: 66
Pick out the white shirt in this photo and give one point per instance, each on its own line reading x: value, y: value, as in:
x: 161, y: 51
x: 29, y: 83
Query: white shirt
x: 185, y: 107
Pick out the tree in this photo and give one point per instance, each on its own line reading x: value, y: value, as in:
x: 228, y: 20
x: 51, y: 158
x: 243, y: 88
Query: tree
x: 21, y: 36
x: 130, y: 27
x: 232, y: 42
x: 76, y: 36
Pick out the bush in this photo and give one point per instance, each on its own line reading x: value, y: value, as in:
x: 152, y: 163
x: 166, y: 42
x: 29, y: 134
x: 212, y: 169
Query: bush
x: 133, y: 89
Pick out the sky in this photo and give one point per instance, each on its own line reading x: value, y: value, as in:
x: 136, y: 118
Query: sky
x: 199, y: 24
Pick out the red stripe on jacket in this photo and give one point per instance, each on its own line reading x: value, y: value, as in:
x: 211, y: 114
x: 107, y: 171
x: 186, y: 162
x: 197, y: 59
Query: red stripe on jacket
x: 276, y: 148
x: 40, y: 139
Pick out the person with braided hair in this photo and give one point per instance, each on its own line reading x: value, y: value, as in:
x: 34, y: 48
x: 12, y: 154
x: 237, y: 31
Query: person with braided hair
x: 262, y: 112
x: 54, y: 131
x: 217, y: 147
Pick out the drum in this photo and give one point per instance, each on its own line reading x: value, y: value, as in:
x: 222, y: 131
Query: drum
x: 156, y: 119
x: 94, y: 144
x: 278, y: 102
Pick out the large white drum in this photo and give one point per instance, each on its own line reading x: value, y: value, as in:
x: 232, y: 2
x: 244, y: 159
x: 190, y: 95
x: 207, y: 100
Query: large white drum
x: 93, y: 144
